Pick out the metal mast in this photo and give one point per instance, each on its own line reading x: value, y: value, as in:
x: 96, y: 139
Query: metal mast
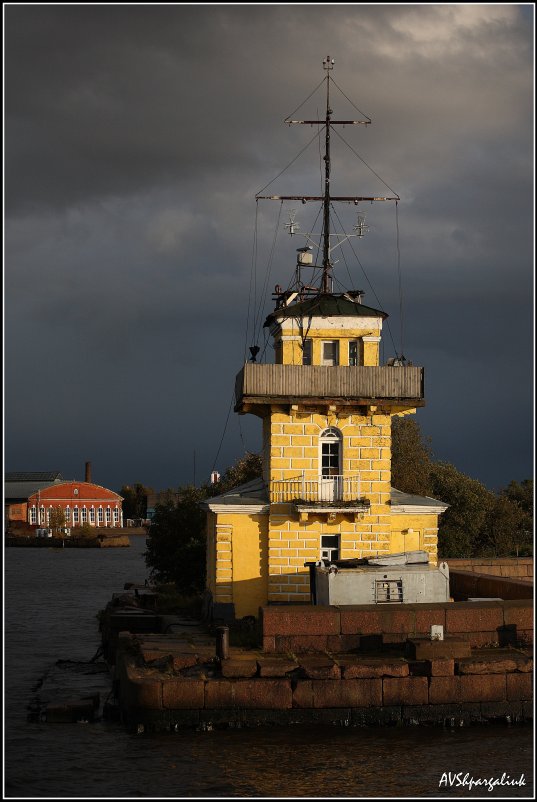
x: 326, y: 284
x: 326, y: 198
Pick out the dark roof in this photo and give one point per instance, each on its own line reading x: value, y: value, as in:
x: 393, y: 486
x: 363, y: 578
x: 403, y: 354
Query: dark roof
x: 253, y: 492
x: 400, y: 499
x: 32, y: 476
x: 22, y: 490
x: 325, y: 305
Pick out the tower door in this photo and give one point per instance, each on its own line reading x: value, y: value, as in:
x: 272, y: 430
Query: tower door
x: 330, y: 480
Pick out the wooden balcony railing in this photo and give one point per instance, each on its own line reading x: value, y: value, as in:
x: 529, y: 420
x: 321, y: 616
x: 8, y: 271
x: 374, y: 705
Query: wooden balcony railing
x: 262, y: 384
x: 322, y: 490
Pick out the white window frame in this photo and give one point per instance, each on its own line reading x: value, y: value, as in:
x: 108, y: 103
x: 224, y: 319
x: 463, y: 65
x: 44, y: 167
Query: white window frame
x: 356, y: 345
x: 329, y: 436
x: 329, y: 552
x: 324, y: 361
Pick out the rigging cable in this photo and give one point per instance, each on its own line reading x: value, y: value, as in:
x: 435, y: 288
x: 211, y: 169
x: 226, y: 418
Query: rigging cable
x: 291, y: 162
x: 348, y: 98
x: 306, y: 100
x: 257, y: 318
x: 253, y: 280
x: 366, y: 164
x: 370, y: 285
x: 399, y: 276
x: 223, y: 433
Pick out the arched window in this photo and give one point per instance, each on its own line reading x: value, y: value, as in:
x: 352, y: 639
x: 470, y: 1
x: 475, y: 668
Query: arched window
x: 330, y: 478
x: 330, y: 442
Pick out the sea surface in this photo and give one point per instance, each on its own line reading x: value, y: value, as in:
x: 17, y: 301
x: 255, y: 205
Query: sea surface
x: 51, y: 600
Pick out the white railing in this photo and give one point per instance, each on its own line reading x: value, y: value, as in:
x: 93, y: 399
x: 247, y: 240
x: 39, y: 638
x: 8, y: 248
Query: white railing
x: 323, y: 489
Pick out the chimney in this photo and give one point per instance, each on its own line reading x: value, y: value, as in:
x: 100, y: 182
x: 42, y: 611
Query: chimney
x: 88, y: 472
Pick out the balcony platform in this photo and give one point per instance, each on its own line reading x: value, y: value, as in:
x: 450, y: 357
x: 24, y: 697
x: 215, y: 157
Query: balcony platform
x: 315, y: 385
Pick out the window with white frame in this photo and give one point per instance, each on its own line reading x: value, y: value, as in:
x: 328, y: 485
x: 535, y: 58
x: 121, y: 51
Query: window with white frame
x: 41, y: 515
x: 100, y: 516
x: 75, y: 515
x: 92, y: 515
x: 330, y: 452
x: 49, y: 513
x: 116, y: 516
x: 330, y: 547
x: 354, y: 353
x: 84, y: 515
x: 330, y: 352
x: 67, y: 514
x: 108, y: 515
x: 33, y: 514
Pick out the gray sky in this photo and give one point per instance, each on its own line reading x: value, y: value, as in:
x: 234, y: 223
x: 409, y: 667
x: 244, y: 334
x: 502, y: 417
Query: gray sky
x: 136, y: 140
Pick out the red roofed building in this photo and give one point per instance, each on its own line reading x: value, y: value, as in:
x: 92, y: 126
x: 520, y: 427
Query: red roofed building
x: 81, y: 502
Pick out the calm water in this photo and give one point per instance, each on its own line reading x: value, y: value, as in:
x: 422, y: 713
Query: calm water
x: 51, y: 600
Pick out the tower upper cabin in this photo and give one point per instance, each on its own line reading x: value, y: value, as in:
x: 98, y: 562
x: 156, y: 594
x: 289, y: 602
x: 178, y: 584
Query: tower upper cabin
x: 327, y: 329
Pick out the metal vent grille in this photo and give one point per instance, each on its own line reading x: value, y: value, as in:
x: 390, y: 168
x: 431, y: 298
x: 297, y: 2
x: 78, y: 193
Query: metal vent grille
x: 388, y: 591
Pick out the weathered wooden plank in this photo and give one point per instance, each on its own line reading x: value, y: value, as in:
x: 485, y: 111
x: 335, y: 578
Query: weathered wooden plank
x: 307, y: 381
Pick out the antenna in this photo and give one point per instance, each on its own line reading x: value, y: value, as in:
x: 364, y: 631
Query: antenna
x: 360, y: 229
x: 292, y: 225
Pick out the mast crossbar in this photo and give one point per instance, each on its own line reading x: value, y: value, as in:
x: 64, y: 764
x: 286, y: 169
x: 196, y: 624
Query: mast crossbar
x: 332, y: 122
x: 341, y: 198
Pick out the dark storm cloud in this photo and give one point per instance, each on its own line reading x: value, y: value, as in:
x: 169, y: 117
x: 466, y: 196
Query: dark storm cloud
x: 136, y: 139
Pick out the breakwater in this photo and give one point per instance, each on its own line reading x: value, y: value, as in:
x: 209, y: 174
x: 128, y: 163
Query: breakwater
x: 364, y: 665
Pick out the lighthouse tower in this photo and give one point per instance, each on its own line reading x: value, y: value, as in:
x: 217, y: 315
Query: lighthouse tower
x: 326, y: 406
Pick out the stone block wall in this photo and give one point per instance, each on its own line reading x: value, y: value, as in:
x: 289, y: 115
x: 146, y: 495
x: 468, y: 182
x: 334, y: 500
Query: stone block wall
x: 468, y: 584
x: 517, y: 567
x: 337, y: 629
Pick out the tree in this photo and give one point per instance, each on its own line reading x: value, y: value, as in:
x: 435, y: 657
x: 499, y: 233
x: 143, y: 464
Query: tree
x: 244, y: 470
x: 411, y: 457
x: 501, y: 530
x: 470, y: 505
x: 176, y: 542
x: 134, y: 500
x: 57, y: 521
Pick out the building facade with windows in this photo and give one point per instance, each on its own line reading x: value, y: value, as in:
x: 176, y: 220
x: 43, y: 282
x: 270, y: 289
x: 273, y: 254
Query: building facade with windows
x: 326, y: 407
x: 83, y: 503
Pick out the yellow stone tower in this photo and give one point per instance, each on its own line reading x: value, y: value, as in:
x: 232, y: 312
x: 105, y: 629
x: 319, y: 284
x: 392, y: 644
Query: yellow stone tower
x: 326, y: 406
